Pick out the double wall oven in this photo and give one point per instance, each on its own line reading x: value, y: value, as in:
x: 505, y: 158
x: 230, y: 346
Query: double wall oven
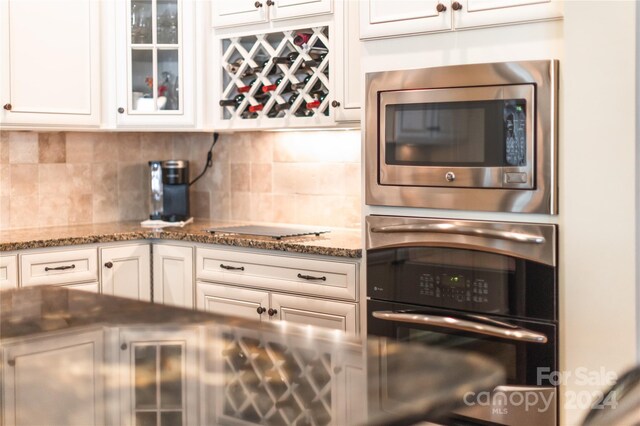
x: 474, y: 286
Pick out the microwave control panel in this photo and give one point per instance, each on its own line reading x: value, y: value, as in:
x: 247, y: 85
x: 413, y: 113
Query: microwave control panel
x: 515, y: 132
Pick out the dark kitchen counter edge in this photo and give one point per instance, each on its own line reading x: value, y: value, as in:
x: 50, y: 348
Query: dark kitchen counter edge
x: 337, y: 243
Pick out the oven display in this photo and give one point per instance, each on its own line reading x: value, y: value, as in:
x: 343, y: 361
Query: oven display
x: 454, y: 287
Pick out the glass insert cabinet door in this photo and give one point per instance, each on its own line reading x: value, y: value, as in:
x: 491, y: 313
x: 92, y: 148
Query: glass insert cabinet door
x: 154, y: 50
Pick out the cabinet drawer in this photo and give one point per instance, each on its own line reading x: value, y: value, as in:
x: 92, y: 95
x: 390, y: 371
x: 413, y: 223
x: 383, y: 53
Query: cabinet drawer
x: 59, y: 267
x: 8, y: 271
x: 283, y: 273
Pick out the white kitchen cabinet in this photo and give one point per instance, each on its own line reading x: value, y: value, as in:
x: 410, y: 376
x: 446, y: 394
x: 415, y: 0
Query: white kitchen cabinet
x: 316, y: 312
x: 231, y: 13
x: 50, y: 63
x: 126, y: 271
x: 347, y: 83
x: 382, y: 18
x: 173, y: 275
x: 8, y: 271
x: 54, y: 380
x: 263, y: 305
x: 64, y: 266
x: 159, y: 376
x: 155, y: 63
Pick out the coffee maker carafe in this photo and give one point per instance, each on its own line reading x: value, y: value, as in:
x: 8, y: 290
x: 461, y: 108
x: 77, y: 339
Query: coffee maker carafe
x: 169, y: 190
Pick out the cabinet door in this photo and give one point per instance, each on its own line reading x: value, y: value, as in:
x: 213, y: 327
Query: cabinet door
x: 126, y: 271
x: 348, y: 84
x: 286, y: 9
x: 384, y: 18
x: 226, y: 300
x: 54, y: 380
x: 477, y: 13
x: 8, y: 271
x: 316, y: 312
x: 155, y: 63
x: 173, y: 275
x: 231, y: 13
x: 159, y: 376
x: 50, y: 62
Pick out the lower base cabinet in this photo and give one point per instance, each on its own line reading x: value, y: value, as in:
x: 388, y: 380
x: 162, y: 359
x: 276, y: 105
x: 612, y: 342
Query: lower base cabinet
x: 126, y: 271
x: 54, y: 380
x: 173, y: 275
x: 264, y: 305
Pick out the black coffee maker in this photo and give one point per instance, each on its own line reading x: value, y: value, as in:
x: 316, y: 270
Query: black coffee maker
x: 169, y: 190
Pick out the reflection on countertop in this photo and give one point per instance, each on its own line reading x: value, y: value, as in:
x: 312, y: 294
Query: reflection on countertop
x: 94, y: 359
x: 338, y: 242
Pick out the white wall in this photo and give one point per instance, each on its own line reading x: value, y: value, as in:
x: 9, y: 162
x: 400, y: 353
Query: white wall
x: 597, y: 168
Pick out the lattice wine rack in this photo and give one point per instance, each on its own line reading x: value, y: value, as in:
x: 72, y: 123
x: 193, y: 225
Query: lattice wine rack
x: 271, y: 383
x: 276, y: 75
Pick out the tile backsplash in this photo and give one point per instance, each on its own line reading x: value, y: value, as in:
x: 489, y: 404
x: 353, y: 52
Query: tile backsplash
x: 310, y: 178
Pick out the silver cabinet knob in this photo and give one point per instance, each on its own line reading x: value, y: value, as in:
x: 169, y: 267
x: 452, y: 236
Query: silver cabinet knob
x: 450, y: 176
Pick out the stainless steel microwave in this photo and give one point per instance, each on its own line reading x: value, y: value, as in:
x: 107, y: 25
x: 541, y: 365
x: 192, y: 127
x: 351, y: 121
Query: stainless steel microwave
x: 467, y: 137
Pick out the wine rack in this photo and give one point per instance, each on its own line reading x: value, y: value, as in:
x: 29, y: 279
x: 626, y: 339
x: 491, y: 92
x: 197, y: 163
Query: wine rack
x: 276, y: 75
x: 267, y: 382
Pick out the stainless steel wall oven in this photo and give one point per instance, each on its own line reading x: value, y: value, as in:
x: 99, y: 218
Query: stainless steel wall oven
x: 469, y: 137
x: 472, y: 286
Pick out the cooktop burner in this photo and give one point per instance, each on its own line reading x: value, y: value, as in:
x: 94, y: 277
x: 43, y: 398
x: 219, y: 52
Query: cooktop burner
x: 276, y: 232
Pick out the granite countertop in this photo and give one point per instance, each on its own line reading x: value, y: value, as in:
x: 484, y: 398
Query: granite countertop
x: 338, y: 242
x: 232, y: 370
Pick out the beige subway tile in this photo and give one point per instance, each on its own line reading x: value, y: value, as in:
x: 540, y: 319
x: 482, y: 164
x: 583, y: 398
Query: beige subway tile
x: 132, y: 206
x: 261, y: 177
x: 240, y: 177
x: 5, y: 179
x: 352, y: 179
x: 311, y: 210
x: 218, y: 177
x: 220, y: 205
x: 284, y: 208
x: 131, y: 177
x: 53, y: 180
x: 351, y: 212
x: 4, y: 147
x: 262, y: 147
x: 156, y: 146
x: 287, y: 178
x: 129, y: 147
x: 79, y: 146
x: 104, y: 179
x: 105, y: 148
x: 240, y: 206
x: 5, y: 212
x: 328, y: 146
x: 24, y: 180
x: 221, y: 150
x: 23, y: 147
x: 52, y: 148
x: 54, y: 210
x: 105, y: 207
x: 199, y: 204
x: 80, y: 208
x: 262, y: 208
x: 24, y: 211
x: 181, y: 146
x: 240, y: 147
x: 80, y: 178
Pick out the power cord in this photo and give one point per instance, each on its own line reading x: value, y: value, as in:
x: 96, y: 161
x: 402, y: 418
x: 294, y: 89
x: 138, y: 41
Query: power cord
x: 209, y: 158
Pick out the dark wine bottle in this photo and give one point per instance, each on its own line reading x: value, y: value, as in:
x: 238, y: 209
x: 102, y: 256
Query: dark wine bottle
x: 247, y: 88
x: 301, y: 38
x: 235, y: 102
x: 234, y: 66
x: 274, y: 86
x: 287, y: 60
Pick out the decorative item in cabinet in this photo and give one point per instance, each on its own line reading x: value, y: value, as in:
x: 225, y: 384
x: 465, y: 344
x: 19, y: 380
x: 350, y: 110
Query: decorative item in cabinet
x: 280, y: 75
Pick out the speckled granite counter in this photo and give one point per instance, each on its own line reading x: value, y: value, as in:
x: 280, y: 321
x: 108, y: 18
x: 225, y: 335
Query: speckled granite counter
x: 342, y: 243
x: 120, y: 361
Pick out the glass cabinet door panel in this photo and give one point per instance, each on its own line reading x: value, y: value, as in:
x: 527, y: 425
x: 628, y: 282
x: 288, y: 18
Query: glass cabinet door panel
x: 142, y: 83
x: 141, y: 22
x: 167, y: 22
x: 168, y: 76
x: 145, y: 377
x: 146, y: 418
x: 171, y: 418
x: 171, y: 376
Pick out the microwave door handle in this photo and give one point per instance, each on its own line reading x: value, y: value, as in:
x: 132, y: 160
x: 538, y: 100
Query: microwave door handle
x: 448, y: 228
x: 509, y: 333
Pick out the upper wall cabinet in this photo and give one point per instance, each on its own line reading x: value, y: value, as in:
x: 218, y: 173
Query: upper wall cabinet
x: 383, y: 18
x: 155, y: 63
x: 50, y: 63
x: 231, y: 13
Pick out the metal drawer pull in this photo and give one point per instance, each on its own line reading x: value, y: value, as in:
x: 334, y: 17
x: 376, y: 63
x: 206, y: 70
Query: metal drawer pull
x: 232, y: 268
x: 59, y: 268
x: 311, y: 277
x: 510, y: 333
x: 448, y: 228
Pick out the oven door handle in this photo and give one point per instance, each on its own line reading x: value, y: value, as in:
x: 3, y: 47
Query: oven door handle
x: 516, y: 333
x: 449, y: 228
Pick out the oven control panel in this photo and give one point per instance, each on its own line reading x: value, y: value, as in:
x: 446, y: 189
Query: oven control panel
x: 454, y: 287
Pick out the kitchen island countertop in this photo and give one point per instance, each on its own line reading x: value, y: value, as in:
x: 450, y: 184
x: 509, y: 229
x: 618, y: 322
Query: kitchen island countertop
x: 268, y: 372
x: 338, y: 242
